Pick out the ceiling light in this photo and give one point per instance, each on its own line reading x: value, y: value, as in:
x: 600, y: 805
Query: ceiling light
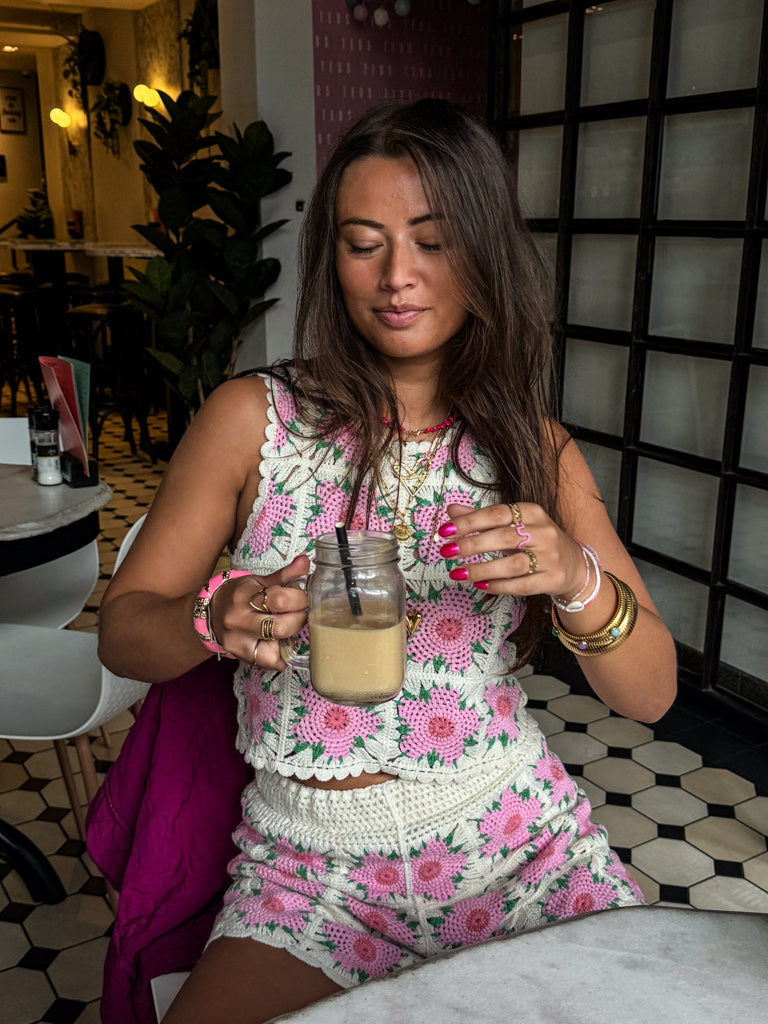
x: 8, y: 48
x: 149, y: 97
x: 60, y: 117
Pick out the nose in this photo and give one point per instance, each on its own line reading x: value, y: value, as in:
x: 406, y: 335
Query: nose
x: 399, y: 270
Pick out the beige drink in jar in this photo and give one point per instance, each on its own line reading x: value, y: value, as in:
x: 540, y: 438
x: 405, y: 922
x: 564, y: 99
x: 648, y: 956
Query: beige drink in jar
x: 356, y: 659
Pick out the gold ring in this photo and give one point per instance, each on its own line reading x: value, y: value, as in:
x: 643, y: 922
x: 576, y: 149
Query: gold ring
x: 267, y: 628
x: 516, y: 514
x: 262, y: 607
x: 255, y: 649
x: 533, y: 564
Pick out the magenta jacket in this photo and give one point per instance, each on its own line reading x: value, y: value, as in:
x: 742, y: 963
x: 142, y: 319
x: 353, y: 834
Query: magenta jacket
x: 159, y: 829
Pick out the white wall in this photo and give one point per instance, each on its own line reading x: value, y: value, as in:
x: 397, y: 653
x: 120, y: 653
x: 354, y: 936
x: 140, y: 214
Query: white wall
x: 24, y: 167
x: 268, y: 72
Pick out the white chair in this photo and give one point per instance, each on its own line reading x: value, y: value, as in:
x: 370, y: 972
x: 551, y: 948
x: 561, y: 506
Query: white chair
x: 14, y: 441
x: 53, y: 687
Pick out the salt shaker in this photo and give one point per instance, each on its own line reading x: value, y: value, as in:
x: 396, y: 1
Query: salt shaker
x: 47, y: 442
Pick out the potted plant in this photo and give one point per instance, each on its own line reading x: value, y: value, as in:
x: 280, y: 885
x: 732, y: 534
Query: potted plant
x: 36, y: 219
x: 84, y: 64
x: 201, y: 34
x: 209, y: 282
x: 111, y: 110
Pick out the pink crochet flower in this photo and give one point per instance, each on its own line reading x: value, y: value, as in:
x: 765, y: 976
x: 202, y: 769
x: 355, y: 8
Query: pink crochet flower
x: 577, y: 894
x: 357, y: 951
x: 285, y: 880
x: 472, y: 920
x: 276, y: 510
x: 332, y: 729
x: 287, y: 414
x: 276, y: 908
x: 620, y: 872
x: 437, y: 727
x: 329, y: 506
x: 436, y: 870
x: 452, y: 631
x: 262, y: 707
x: 550, y: 770
x: 581, y: 812
x: 381, y: 919
x: 379, y: 876
x: 503, y: 698
x: 295, y: 861
x: 507, y: 823
x: 245, y: 836
x: 552, y: 853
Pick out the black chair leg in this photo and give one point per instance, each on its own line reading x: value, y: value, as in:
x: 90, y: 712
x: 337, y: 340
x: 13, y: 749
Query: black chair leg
x: 34, y: 868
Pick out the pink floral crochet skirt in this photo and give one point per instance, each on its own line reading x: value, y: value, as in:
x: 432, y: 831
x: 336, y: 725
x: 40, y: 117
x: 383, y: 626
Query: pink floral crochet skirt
x: 364, y: 882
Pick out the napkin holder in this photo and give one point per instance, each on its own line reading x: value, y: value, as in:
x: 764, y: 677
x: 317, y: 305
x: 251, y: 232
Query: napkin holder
x: 74, y: 474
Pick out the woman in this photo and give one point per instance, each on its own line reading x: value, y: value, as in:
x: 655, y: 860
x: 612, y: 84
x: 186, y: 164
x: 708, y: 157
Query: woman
x: 416, y: 403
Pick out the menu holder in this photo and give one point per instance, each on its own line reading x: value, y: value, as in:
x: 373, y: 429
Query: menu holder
x: 68, y: 383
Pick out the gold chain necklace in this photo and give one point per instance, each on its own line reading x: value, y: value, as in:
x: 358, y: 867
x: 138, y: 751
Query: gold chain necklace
x: 411, y: 479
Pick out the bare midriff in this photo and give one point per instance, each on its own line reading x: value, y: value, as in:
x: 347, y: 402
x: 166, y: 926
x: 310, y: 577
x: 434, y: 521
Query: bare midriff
x: 357, y: 782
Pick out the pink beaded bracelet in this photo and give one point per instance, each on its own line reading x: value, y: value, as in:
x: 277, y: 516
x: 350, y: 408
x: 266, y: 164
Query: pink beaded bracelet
x: 575, y: 605
x: 201, y: 613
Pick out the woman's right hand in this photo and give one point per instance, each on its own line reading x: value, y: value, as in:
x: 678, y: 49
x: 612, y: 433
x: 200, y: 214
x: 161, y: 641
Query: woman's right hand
x: 245, y: 610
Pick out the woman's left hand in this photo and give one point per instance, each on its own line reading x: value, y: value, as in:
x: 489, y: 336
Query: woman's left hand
x: 533, y: 555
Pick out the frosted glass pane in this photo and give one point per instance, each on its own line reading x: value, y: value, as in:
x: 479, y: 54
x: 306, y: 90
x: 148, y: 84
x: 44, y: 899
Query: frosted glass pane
x: 617, y: 52
x: 609, y: 169
x: 695, y: 288
x: 714, y: 45
x: 542, y: 70
x: 760, y: 333
x: 675, y: 511
x: 748, y: 563
x: 605, y: 464
x: 602, y: 280
x: 754, y: 440
x: 538, y: 170
x: 745, y: 638
x: 594, y: 383
x: 684, y: 403
x: 705, y: 165
x: 682, y: 603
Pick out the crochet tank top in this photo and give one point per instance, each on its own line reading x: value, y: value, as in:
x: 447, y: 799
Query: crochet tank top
x: 460, y: 707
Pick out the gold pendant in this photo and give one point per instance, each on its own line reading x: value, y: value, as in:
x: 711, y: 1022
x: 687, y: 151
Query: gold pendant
x: 402, y: 531
x: 412, y: 622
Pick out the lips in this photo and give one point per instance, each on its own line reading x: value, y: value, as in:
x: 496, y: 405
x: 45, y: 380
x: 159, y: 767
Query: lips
x: 399, y: 316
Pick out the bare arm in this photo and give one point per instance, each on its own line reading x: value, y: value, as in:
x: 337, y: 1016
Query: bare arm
x: 146, y: 627
x: 638, y: 679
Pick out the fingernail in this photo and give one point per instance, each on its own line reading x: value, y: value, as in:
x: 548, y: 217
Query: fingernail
x: 447, y: 530
x: 481, y: 584
x: 459, y: 574
x: 449, y: 550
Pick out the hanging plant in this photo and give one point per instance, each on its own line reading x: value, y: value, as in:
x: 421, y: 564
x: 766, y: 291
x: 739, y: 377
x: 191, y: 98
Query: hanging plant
x: 84, y: 64
x: 111, y: 110
x: 201, y: 34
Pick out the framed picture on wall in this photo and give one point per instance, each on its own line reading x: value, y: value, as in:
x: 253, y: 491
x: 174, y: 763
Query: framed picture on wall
x: 12, y: 119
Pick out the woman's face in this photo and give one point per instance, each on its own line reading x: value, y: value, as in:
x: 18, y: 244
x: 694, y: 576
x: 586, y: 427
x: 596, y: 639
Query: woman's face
x: 395, y: 280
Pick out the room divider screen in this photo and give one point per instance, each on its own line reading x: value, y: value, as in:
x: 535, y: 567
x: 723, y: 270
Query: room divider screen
x: 638, y: 130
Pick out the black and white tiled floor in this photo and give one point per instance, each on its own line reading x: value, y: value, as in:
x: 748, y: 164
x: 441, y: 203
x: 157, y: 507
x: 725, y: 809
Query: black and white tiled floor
x: 691, y: 827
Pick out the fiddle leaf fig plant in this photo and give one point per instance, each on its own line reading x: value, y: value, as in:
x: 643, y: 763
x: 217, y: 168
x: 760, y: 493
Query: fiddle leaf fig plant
x: 208, y: 282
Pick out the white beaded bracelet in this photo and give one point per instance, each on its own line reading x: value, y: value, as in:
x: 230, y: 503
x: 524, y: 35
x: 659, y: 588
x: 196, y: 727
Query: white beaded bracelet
x: 575, y: 605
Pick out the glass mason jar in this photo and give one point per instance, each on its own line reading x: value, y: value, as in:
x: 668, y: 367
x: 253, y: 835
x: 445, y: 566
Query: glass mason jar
x: 356, y: 609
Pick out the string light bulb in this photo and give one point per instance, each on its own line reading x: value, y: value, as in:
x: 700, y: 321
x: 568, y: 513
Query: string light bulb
x: 60, y: 117
x: 143, y: 94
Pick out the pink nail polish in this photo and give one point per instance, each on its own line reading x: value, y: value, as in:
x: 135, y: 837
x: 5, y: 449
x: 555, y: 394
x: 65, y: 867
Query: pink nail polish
x: 447, y: 530
x: 449, y: 550
x: 481, y: 584
x: 459, y: 574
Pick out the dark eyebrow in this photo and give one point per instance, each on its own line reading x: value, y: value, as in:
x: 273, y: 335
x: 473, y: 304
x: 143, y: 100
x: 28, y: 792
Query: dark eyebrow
x: 362, y: 222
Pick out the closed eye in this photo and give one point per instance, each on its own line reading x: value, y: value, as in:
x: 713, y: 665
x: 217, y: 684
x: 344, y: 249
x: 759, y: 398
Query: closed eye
x: 362, y: 250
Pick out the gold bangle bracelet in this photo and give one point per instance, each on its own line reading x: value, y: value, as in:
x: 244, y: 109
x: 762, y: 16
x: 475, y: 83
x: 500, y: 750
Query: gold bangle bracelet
x: 612, y: 635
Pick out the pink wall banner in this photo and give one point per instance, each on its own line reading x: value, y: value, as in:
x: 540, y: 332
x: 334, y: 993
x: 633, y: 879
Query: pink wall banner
x: 440, y: 48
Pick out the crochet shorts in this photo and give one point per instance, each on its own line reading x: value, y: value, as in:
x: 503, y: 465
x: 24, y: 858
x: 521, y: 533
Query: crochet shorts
x: 364, y: 882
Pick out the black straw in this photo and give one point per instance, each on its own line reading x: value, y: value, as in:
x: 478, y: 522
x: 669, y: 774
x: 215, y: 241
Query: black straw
x: 349, y: 576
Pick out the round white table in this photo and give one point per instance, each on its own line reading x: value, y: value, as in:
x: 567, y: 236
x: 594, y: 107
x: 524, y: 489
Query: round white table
x: 638, y: 965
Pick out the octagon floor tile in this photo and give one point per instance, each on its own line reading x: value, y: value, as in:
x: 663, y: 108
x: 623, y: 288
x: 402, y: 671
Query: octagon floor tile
x: 669, y: 806
x: 578, y: 708
x: 549, y: 724
x: 648, y: 887
x: 544, y: 687
x: 576, y: 747
x: 626, y: 827
x: 13, y: 944
x: 754, y: 813
x: 72, y: 971
x: 78, y: 919
x: 725, y: 839
x: 673, y: 862
x: 735, y: 894
x: 718, y: 786
x: 24, y: 996
x: 667, y: 758
x: 618, y: 775
x: 595, y: 794
x: 620, y: 732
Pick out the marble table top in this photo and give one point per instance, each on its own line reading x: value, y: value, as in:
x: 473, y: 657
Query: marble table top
x: 638, y: 965
x: 28, y: 509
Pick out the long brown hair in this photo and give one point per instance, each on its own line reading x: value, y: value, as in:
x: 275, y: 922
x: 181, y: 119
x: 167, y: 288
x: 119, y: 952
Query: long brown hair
x: 497, y: 373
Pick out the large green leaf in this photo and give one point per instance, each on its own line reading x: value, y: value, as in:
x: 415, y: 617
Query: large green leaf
x: 256, y: 310
x: 175, y: 326
x: 188, y: 379
x: 227, y: 298
x: 227, y: 209
x: 173, y: 208
x: 258, y: 139
x: 158, y: 274
x: 168, y: 360
x: 155, y: 235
